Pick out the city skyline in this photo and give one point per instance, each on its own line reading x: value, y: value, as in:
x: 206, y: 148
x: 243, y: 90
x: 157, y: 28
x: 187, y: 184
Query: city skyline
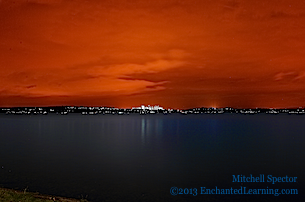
x: 175, y: 54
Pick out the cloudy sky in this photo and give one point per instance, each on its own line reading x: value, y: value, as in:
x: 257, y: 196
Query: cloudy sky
x: 174, y: 53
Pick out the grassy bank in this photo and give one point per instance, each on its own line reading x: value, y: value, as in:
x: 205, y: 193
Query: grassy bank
x: 9, y: 195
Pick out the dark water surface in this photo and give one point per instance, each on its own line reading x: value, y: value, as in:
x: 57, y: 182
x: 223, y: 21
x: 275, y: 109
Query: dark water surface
x: 139, y: 158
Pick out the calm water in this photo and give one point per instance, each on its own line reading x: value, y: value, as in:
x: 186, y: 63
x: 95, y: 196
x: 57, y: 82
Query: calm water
x: 139, y: 158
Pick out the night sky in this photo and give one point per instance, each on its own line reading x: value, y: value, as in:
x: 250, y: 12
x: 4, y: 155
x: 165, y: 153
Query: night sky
x: 178, y: 54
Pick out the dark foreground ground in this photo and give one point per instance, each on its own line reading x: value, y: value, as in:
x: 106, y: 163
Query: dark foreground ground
x: 24, y: 196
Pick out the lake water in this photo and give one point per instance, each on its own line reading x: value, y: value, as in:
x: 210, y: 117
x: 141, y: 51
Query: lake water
x: 140, y: 157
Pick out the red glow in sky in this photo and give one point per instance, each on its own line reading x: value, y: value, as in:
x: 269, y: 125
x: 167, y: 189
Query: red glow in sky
x: 173, y: 53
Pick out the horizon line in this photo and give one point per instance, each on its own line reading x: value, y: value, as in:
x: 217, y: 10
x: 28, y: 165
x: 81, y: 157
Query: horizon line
x: 207, y: 107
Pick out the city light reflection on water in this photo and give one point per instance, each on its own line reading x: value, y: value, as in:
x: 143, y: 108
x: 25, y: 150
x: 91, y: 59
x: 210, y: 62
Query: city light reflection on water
x: 150, y: 127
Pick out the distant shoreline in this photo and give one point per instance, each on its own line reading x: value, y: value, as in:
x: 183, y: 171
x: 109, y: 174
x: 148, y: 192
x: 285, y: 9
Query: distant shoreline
x: 143, y: 110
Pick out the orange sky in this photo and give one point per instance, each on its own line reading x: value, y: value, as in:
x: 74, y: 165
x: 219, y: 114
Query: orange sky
x: 179, y: 54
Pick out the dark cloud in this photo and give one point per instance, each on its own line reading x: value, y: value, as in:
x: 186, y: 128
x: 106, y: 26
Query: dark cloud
x: 31, y: 86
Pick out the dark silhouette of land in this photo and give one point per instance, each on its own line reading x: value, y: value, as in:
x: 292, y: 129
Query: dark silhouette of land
x: 143, y: 110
